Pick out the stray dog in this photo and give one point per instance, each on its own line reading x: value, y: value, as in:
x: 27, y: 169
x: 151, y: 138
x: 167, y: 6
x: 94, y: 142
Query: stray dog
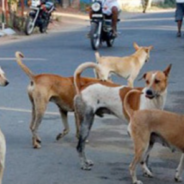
x: 127, y: 67
x: 3, y: 82
x: 104, y: 97
x: 48, y: 87
x: 143, y: 123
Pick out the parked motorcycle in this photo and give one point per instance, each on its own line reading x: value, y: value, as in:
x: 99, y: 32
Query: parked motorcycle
x: 39, y: 16
x: 101, y: 27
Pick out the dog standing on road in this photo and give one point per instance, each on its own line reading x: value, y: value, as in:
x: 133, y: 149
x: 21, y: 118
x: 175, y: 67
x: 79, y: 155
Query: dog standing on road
x: 3, y: 82
x: 103, y: 97
x: 127, y: 67
x: 143, y: 123
x: 44, y: 88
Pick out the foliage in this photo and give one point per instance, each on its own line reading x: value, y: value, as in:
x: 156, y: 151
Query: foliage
x: 170, y: 3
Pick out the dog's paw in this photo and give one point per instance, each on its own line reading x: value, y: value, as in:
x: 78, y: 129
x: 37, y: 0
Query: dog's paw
x: 148, y: 174
x: 177, y: 178
x: 36, y: 143
x: 59, y: 136
x: 36, y: 146
x: 89, y: 162
x: 86, y: 167
x: 138, y: 182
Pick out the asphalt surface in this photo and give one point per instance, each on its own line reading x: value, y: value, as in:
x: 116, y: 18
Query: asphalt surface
x: 60, y: 52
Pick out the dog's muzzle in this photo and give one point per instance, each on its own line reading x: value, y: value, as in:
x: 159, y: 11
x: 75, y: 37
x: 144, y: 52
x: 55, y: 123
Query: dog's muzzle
x: 151, y: 94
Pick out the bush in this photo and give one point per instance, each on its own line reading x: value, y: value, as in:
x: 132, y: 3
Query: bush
x: 169, y: 3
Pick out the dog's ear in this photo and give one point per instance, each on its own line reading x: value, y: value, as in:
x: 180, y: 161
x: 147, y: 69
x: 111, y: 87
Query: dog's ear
x: 21, y: 55
x: 136, y: 46
x: 143, y: 77
x: 147, y: 49
x: 167, y: 70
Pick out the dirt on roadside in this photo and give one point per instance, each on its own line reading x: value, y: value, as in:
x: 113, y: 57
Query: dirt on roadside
x: 56, y: 25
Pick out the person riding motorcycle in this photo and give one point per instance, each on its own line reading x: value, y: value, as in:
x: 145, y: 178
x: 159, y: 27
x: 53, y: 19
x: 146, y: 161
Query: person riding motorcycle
x: 110, y: 8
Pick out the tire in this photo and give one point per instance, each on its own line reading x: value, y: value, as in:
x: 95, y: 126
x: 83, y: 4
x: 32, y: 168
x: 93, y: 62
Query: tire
x: 43, y: 27
x: 29, y: 27
x: 95, y: 38
x: 110, y: 40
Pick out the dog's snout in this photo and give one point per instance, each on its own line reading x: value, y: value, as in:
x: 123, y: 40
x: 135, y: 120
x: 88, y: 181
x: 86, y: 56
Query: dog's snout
x: 149, y: 92
x: 6, y: 83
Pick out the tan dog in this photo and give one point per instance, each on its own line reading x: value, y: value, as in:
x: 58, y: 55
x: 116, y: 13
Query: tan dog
x: 44, y: 88
x: 3, y: 82
x: 103, y: 97
x: 143, y: 123
x: 127, y: 67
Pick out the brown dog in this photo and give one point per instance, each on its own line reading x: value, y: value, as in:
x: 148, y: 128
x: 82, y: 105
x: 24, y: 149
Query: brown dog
x: 102, y: 97
x: 143, y: 123
x: 48, y: 87
x: 127, y: 67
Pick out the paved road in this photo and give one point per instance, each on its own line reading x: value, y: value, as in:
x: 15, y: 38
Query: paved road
x: 109, y: 147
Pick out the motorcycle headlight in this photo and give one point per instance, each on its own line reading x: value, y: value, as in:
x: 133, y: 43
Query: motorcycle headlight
x: 95, y: 7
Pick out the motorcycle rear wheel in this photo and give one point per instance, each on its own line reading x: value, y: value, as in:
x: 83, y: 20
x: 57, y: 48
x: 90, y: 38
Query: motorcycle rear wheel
x: 95, y: 38
x: 110, y: 40
x: 29, y: 26
x: 43, y: 27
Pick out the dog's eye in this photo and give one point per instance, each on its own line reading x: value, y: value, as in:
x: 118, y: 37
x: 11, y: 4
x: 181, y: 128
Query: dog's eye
x: 157, y: 81
x: 147, y: 81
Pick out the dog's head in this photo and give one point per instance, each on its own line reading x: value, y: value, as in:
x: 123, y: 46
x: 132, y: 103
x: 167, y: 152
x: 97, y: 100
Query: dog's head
x: 156, y: 82
x: 145, y: 49
x: 3, y: 79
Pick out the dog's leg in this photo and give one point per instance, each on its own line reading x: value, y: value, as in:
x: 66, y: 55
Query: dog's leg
x: 144, y: 162
x: 83, y: 135
x: 132, y: 167
x: 179, y: 169
x: 141, y: 143
x: 40, y: 107
x: 65, y: 123
x: 33, y: 113
x: 130, y: 82
x: 77, y: 123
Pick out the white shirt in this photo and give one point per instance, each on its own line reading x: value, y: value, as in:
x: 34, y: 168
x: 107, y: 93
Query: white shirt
x: 108, y: 4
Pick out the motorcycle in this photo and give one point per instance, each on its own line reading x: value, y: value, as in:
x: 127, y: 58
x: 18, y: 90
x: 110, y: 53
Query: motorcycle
x: 101, y: 27
x: 39, y: 16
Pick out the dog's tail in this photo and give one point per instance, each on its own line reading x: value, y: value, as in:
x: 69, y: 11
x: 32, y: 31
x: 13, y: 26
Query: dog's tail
x: 127, y: 107
x: 18, y: 56
x: 97, y: 55
x: 79, y: 70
